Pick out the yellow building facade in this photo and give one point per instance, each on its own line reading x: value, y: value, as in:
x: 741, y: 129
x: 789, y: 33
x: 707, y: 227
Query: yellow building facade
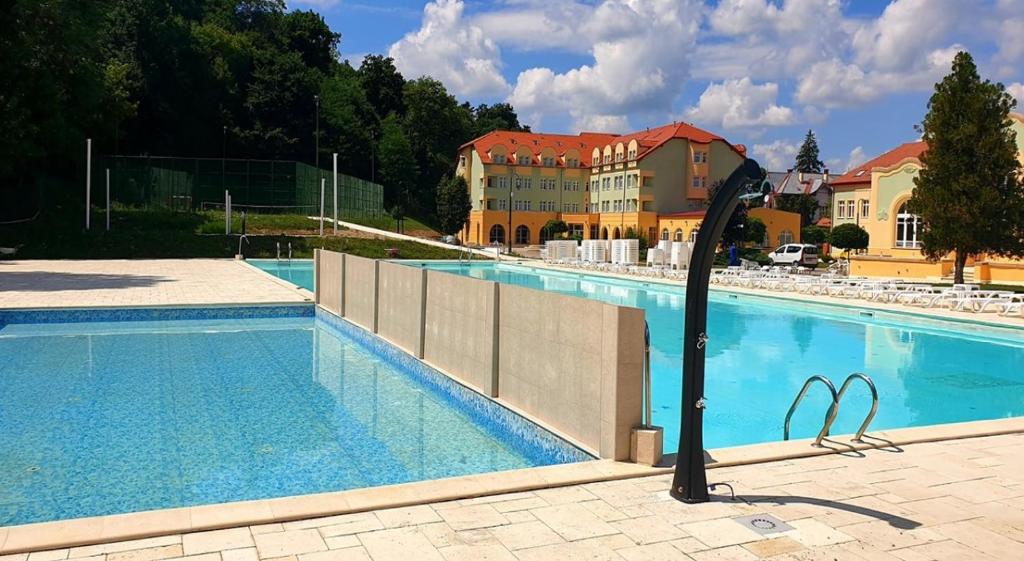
x: 781, y: 227
x: 874, y: 196
x: 601, y: 185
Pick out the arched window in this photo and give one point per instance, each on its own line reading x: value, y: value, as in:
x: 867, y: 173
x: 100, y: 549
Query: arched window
x: 693, y: 235
x: 604, y: 233
x: 679, y: 235
x: 664, y: 234
x: 908, y: 228
x: 615, y: 234
x: 522, y: 235
x: 545, y: 235
x: 497, y: 234
x: 785, y: 237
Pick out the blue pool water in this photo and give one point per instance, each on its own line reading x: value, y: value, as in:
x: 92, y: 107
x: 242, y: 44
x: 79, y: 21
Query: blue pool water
x: 102, y: 417
x: 762, y: 349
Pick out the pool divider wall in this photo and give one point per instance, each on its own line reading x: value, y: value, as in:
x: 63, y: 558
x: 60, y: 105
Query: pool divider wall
x: 572, y: 364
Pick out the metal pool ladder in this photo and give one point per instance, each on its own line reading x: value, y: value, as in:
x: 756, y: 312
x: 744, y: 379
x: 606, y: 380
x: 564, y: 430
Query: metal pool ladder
x: 467, y: 253
x: 833, y: 410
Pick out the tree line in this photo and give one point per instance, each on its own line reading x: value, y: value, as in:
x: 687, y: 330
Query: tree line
x: 240, y: 78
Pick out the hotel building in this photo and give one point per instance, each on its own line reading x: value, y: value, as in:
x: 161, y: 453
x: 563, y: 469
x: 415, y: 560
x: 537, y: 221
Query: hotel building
x: 599, y: 184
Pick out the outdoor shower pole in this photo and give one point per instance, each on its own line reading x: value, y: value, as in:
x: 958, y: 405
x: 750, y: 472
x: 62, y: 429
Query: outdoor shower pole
x: 690, y: 484
x: 322, y: 181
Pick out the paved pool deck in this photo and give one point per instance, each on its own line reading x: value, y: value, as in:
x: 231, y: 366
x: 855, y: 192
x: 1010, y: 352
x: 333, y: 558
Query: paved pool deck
x: 950, y: 500
x: 139, y: 282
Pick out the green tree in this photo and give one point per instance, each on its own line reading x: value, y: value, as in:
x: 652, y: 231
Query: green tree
x: 735, y: 229
x: 554, y: 227
x: 808, y: 158
x: 453, y: 205
x: 500, y: 116
x: 383, y: 84
x: 398, y: 170
x: 756, y: 230
x: 348, y: 121
x: 803, y: 204
x: 849, y: 237
x: 436, y: 125
x: 813, y: 234
x: 969, y: 193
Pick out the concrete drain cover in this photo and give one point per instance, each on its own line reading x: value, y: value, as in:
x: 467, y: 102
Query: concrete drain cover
x: 763, y: 524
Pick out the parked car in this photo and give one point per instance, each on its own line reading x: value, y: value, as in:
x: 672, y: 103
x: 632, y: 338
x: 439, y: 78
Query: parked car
x: 798, y: 254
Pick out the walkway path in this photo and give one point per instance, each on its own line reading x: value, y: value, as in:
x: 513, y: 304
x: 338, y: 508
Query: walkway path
x: 953, y: 500
x: 138, y: 282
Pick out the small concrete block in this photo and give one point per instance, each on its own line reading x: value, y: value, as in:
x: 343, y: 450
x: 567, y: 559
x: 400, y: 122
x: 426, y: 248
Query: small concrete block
x: 646, y: 445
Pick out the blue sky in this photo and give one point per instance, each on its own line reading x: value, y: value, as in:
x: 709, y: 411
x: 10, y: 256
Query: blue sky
x: 759, y: 72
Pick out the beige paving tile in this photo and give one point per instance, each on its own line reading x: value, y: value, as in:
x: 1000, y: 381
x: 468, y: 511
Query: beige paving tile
x: 604, y: 511
x: 266, y: 528
x: 100, y: 549
x: 887, y: 537
x: 243, y: 554
x: 474, y: 516
x: 506, y: 507
x: 720, y: 533
x: 477, y: 553
x: 52, y: 555
x: 731, y: 553
x: 408, y: 516
x: 813, y: 533
x: 364, y: 522
x: 289, y: 542
x: 652, y: 552
x: 200, y: 557
x: 563, y: 495
x: 527, y: 534
x: 342, y: 542
x: 773, y: 546
x: 12, y: 556
x: 356, y: 553
x: 148, y: 554
x: 569, y: 552
x: 688, y: 545
x: 400, y: 544
x: 648, y: 529
x: 519, y: 516
x: 93, y: 558
x: 216, y: 540
x: 970, y: 534
x: 942, y: 551
x: 573, y: 522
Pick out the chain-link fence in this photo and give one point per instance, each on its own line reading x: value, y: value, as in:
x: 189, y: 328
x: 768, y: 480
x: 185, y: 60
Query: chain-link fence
x: 190, y: 184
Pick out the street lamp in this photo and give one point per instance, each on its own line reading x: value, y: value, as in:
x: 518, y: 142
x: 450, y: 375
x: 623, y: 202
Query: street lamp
x: 511, y: 184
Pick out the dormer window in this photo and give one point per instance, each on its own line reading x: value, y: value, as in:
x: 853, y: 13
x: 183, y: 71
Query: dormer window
x: 607, y: 158
x: 549, y: 162
x: 524, y: 160
x: 632, y: 154
x: 498, y: 158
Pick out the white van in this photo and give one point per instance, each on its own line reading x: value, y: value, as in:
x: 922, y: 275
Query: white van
x: 798, y: 254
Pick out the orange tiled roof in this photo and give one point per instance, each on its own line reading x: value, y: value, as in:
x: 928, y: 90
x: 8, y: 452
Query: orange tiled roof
x: 585, y: 142
x: 862, y: 173
x: 685, y: 214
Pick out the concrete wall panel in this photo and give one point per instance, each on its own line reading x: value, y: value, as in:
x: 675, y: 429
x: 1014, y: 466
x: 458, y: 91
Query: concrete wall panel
x: 361, y: 291
x: 329, y: 281
x: 401, y: 294
x: 459, y: 335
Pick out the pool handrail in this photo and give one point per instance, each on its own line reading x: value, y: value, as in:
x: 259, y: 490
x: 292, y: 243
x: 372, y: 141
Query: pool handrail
x: 874, y: 401
x: 830, y: 415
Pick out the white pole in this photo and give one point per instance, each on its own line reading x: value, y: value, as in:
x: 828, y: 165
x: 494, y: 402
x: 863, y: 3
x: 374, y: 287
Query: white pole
x: 88, y: 180
x: 323, y: 182
x: 227, y: 213
x: 108, y: 199
x: 335, y: 192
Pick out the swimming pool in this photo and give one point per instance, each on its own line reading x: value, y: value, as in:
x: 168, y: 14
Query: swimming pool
x: 117, y: 411
x: 761, y: 350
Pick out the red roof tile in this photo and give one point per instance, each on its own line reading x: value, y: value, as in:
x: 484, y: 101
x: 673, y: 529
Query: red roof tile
x: 685, y: 214
x: 862, y: 173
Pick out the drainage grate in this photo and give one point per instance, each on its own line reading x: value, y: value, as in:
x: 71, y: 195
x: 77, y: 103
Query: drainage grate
x: 763, y: 524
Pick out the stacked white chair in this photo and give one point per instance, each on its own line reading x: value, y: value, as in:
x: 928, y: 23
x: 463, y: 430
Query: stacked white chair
x: 626, y: 252
x: 656, y: 257
x: 594, y: 251
x: 679, y: 258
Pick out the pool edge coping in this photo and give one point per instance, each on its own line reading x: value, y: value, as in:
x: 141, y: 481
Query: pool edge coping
x: 78, y: 532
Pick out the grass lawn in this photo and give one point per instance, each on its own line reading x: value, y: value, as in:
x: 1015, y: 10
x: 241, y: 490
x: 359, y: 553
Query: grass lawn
x: 140, y: 234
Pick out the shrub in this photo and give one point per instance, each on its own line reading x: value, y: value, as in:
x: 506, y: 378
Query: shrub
x: 849, y: 236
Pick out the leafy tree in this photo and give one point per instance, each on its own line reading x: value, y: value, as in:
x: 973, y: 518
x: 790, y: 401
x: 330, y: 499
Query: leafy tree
x: 632, y: 234
x: 383, y: 85
x: 500, y: 116
x: 436, y: 125
x: 849, y: 237
x: 398, y: 168
x: 735, y: 229
x: 807, y: 159
x: 803, y: 204
x: 969, y: 194
x: 756, y: 230
x: 813, y: 234
x: 348, y: 120
x: 453, y: 204
x: 554, y: 227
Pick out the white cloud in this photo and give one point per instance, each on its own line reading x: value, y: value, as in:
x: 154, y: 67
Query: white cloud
x: 452, y: 50
x: 740, y: 103
x: 777, y: 156
x: 856, y: 158
x: 639, y: 64
x: 1017, y: 91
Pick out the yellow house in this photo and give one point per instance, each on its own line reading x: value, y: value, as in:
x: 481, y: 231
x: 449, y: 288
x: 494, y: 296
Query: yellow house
x: 599, y: 184
x: 874, y: 196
